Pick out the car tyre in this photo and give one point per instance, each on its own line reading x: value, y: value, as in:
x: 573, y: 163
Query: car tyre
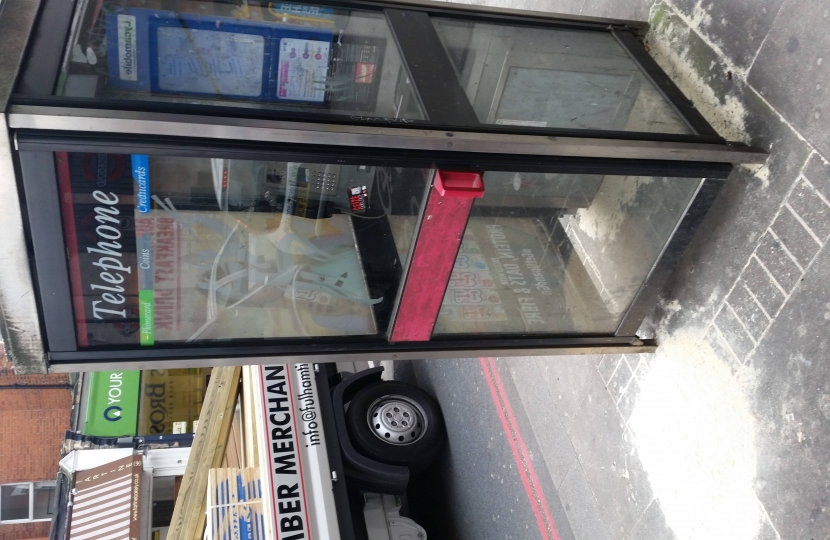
x: 396, y: 423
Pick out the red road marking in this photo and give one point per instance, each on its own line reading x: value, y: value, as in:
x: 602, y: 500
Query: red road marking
x: 517, y: 445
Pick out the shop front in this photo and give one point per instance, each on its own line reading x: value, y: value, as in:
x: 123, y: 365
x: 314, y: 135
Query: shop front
x: 208, y: 183
x: 143, y: 403
x: 117, y: 493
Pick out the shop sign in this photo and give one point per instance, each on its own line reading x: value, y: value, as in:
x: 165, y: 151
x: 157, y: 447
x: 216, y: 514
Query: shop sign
x: 287, y: 482
x: 106, y: 501
x: 102, y: 252
x: 170, y: 401
x: 112, y: 404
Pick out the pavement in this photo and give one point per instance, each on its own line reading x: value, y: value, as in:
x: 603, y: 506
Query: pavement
x: 724, y: 432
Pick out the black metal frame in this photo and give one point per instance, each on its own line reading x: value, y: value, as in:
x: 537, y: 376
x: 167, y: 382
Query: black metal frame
x: 308, y: 350
x: 496, y: 16
x: 51, y: 141
x: 43, y: 205
x: 46, y: 47
x: 430, y: 69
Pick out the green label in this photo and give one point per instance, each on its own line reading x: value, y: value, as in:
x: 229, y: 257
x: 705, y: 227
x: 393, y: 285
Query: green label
x: 112, y: 403
x: 145, y: 316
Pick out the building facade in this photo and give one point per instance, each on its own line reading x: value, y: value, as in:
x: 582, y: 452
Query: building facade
x: 35, y: 412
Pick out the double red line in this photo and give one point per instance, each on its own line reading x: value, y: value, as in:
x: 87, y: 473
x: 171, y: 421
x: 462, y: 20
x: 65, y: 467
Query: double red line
x: 517, y: 445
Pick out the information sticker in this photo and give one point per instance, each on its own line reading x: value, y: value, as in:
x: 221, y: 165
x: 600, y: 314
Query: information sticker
x: 303, y: 67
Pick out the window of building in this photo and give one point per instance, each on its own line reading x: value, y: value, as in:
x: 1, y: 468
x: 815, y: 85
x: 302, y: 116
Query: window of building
x: 26, y: 501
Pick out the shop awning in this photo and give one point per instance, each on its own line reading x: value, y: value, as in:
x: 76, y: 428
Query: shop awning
x: 105, y: 501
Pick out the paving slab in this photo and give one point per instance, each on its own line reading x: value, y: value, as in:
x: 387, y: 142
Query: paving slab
x: 767, y: 531
x: 796, y: 239
x: 652, y: 525
x: 715, y: 339
x: 621, y: 379
x: 750, y: 199
x: 738, y: 27
x: 633, y: 9
x: 817, y: 172
x: 734, y: 333
x: 582, y: 507
x: 792, y: 403
x: 748, y: 311
x: 628, y: 400
x: 545, y: 420
x: 568, y: 379
x: 757, y: 279
x: 792, y: 70
x: 608, y: 456
x: 780, y: 266
x: 810, y: 207
x: 555, y: 6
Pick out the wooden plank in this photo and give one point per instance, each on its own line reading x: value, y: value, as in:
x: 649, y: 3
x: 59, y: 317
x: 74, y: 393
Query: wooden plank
x: 236, y: 437
x: 229, y: 413
x: 208, y: 451
x: 233, y: 451
x: 249, y: 430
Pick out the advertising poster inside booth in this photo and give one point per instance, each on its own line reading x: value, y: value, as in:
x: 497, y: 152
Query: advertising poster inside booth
x: 177, y: 250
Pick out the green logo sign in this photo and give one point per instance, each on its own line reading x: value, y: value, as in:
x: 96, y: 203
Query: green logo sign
x: 145, y: 316
x: 112, y: 403
x: 113, y: 414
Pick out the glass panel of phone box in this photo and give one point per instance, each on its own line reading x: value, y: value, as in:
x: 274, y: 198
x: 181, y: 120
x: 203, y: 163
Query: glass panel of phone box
x: 554, y: 78
x: 166, y: 249
x: 277, y: 55
x: 548, y: 253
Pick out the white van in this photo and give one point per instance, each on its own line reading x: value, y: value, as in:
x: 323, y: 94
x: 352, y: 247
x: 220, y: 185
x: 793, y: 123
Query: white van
x: 332, y: 439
